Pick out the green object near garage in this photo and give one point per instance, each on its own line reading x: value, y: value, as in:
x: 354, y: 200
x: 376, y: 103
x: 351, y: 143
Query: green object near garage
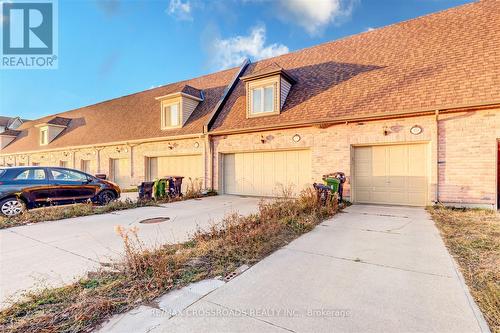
x: 332, y: 183
x: 160, y: 189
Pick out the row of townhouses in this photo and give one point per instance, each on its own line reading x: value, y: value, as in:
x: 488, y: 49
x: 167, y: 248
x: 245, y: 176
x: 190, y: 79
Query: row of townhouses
x: 409, y: 112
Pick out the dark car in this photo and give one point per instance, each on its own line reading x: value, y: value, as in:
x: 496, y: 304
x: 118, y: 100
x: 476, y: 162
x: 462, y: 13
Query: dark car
x: 31, y: 187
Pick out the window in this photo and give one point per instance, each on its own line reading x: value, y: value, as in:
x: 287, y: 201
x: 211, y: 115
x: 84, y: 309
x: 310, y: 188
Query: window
x: 68, y: 175
x: 63, y: 164
x: 85, y: 166
x: 31, y: 174
x: 35, y: 164
x: 262, y: 99
x: 171, y: 115
x: 44, y: 136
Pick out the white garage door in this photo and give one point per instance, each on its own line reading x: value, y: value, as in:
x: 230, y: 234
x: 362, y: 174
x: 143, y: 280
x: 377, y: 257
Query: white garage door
x: 267, y: 173
x: 120, y: 172
x: 188, y: 166
x: 395, y: 174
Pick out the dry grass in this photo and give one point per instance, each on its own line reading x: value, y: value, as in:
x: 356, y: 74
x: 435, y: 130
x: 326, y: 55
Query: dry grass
x: 63, y: 212
x: 55, y: 213
x: 144, y: 274
x: 473, y: 238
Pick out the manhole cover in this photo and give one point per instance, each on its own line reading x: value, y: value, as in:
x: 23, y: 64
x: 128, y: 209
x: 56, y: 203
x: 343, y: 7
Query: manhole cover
x: 155, y: 220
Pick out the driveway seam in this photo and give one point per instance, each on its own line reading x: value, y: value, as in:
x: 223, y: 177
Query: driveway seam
x: 226, y: 307
x: 55, y: 247
x: 367, y: 263
x: 255, y: 318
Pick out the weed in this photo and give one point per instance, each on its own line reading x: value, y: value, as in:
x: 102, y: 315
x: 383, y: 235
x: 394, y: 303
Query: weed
x: 144, y: 273
x: 473, y: 238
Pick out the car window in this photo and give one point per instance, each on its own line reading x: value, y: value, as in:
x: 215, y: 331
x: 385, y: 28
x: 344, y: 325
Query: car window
x: 31, y: 174
x: 69, y: 175
x: 2, y: 171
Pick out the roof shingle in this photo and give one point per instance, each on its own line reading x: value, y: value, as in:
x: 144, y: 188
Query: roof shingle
x: 444, y: 59
x: 131, y: 117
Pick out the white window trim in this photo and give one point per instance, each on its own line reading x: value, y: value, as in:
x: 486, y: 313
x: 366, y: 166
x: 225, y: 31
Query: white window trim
x: 166, y: 104
x: 44, y: 136
x: 251, y: 86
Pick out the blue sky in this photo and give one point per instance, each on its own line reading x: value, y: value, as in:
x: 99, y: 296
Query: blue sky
x: 112, y: 48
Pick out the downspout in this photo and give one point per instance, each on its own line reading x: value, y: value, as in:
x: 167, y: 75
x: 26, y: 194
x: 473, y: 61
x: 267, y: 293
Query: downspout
x: 209, y: 162
x: 437, y: 156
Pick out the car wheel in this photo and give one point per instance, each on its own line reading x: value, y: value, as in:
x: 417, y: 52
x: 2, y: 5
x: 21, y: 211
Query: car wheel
x: 105, y: 197
x: 11, y: 207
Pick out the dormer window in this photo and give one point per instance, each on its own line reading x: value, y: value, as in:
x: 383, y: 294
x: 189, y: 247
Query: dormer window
x: 263, y: 99
x: 44, y: 136
x: 177, y: 107
x: 50, y: 130
x: 171, y: 115
x: 267, y: 90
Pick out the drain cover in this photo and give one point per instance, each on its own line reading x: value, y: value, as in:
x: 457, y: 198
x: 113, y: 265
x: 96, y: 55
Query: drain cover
x: 236, y: 272
x: 155, y: 220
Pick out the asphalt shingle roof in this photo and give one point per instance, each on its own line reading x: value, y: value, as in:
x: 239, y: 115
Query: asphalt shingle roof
x: 130, y: 117
x: 444, y: 59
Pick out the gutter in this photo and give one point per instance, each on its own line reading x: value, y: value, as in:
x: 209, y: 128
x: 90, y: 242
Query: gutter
x: 346, y: 120
x: 437, y: 157
x: 103, y: 145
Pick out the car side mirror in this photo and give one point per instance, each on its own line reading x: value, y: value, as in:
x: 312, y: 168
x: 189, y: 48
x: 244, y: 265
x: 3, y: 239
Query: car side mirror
x: 101, y: 176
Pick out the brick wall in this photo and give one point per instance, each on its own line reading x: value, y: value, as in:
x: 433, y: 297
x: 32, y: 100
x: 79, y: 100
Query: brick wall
x: 467, y: 160
x: 467, y: 141
x: 468, y: 157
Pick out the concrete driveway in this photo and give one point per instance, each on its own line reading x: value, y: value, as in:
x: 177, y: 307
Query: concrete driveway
x: 369, y: 269
x: 54, y: 253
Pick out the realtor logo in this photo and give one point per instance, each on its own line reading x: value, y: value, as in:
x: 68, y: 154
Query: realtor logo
x: 29, y: 34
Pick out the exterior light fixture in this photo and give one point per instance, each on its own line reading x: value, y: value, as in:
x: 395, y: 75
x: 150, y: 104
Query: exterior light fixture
x: 296, y: 138
x: 262, y: 139
x: 170, y: 146
x: 416, y: 130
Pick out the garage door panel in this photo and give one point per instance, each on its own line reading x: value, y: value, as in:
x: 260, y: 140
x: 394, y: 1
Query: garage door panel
x: 188, y: 166
x: 378, y: 181
x: 267, y: 173
x: 397, y: 182
x: 229, y: 167
x: 120, y: 171
x: 391, y: 174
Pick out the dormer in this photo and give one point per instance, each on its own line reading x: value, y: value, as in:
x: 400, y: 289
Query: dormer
x: 14, y: 123
x: 7, y: 136
x: 176, y: 108
x: 11, y: 123
x: 267, y: 90
x: 51, y: 129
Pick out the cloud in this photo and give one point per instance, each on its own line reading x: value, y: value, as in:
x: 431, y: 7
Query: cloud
x: 369, y: 29
x: 180, y: 10
x: 232, y: 51
x: 110, y: 7
x: 315, y: 15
